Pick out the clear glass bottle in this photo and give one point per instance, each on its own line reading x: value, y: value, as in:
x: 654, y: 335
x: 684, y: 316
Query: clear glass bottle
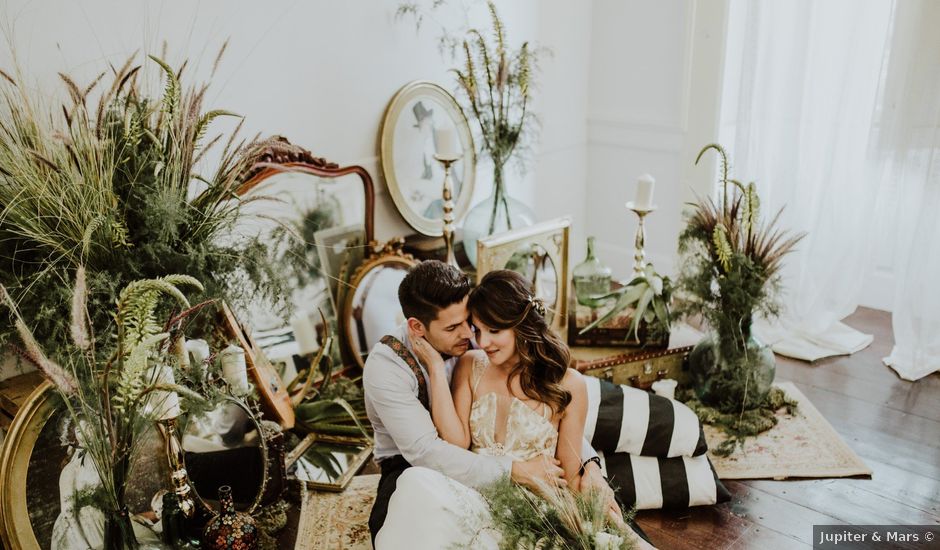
x: 591, y: 278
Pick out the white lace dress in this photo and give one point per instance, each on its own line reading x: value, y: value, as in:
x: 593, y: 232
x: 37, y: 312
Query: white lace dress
x: 431, y: 511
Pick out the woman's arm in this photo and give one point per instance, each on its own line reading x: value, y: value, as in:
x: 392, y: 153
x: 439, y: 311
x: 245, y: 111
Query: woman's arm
x: 450, y: 426
x: 571, y: 428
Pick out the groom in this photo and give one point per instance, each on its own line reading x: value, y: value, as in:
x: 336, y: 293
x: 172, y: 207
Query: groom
x: 433, y: 298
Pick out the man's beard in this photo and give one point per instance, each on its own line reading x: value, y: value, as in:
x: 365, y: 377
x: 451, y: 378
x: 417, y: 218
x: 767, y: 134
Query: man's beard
x: 447, y: 356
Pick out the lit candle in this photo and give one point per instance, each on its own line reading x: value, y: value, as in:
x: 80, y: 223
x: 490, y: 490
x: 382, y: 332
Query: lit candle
x: 234, y: 369
x: 644, y: 191
x: 445, y: 143
x: 305, y: 334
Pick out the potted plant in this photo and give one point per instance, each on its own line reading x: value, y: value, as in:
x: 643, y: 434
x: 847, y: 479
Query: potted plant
x: 649, y: 295
x: 730, y: 273
x: 114, y: 400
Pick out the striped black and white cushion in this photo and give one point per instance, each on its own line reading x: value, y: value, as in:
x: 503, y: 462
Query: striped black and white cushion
x: 649, y: 482
x: 622, y: 419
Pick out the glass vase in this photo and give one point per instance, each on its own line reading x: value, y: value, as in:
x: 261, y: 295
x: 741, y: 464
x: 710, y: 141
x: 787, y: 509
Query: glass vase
x: 119, y: 531
x: 230, y: 530
x: 591, y: 278
x: 732, y: 371
x: 497, y: 213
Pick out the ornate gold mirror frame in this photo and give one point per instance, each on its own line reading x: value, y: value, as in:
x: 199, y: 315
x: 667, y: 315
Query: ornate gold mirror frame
x: 353, y: 312
x: 16, y: 530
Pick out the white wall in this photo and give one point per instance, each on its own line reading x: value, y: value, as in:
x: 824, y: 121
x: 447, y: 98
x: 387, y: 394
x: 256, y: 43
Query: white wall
x: 636, y: 124
x: 321, y: 72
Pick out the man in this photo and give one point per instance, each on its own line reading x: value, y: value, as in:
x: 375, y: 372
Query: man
x: 433, y: 298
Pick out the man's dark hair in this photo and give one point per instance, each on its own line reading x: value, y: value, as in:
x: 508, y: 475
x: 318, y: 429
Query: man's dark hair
x: 430, y: 287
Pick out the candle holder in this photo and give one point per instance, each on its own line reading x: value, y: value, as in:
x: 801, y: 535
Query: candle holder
x: 639, y: 255
x: 448, y: 196
x: 178, y: 474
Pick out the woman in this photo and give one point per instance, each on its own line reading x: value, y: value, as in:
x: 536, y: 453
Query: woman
x: 514, y: 396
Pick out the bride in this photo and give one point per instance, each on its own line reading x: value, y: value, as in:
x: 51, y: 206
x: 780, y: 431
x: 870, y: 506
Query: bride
x: 514, y: 396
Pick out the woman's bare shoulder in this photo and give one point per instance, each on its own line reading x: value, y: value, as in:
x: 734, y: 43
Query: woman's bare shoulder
x: 573, y: 381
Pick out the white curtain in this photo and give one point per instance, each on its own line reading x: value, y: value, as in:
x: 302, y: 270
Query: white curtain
x: 801, y: 83
x: 907, y: 146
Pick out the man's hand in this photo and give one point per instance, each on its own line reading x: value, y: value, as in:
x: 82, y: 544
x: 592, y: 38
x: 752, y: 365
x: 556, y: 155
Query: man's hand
x: 425, y: 352
x: 538, y: 472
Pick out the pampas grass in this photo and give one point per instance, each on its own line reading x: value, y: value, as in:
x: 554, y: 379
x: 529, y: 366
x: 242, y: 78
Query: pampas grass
x: 106, y: 180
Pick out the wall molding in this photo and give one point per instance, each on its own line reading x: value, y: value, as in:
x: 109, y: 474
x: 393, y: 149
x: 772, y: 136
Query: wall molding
x: 643, y: 135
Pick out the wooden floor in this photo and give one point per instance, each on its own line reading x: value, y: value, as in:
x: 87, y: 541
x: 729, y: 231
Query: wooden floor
x: 894, y: 425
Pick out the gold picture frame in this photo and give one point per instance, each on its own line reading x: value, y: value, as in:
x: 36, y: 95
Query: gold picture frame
x: 407, y: 146
x: 352, y: 452
x: 541, y: 253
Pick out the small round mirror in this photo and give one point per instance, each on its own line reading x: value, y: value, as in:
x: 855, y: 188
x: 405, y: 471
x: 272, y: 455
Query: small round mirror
x: 225, y: 446
x: 536, y: 265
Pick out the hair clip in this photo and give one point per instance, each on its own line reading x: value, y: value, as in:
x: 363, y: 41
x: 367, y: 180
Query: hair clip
x: 538, y: 305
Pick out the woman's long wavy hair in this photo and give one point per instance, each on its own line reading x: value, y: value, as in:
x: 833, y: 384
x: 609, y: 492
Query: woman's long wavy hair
x: 504, y: 300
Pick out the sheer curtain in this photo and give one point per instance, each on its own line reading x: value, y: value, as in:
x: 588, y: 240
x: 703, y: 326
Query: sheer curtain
x: 801, y: 82
x: 907, y: 147
x: 828, y: 106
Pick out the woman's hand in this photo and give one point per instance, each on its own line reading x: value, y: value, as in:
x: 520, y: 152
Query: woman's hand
x: 425, y: 353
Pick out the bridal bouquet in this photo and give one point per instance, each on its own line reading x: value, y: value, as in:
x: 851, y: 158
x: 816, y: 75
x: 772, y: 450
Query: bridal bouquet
x: 555, y: 518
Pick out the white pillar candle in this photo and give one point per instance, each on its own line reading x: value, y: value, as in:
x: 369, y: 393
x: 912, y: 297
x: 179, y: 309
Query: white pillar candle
x: 644, y: 191
x: 445, y: 143
x: 665, y: 388
x: 198, y: 351
x: 166, y: 404
x: 234, y: 369
x: 305, y: 333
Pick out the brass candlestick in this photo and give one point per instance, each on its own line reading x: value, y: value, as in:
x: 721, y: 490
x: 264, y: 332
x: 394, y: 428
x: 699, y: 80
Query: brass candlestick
x: 178, y: 475
x: 639, y: 255
x: 448, y: 196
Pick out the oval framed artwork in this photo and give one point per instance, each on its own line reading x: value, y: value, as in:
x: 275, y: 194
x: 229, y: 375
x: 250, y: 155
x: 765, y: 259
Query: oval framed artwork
x: 414, y: 178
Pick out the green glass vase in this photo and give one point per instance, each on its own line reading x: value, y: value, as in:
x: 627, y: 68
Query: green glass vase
x: 732, y: 371
x: 591, y: 278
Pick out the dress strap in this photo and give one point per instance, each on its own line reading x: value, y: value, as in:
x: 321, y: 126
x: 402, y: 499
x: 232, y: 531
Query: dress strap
x: 476, y: 374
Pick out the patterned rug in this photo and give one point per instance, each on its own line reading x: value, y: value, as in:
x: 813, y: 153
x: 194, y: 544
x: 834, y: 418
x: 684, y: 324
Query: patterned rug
x: 338, y: 520
x: 800, y: 445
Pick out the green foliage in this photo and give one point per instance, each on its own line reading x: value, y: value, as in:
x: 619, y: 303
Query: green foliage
x: 558, y: 518
x: 495, y: 81
x: 743, y: 424
x: 731, y: 262
x: 116, y: 186
x: 112, y: 402
x: 296, y: 238
x: 496, y: 85
x: 649, y: 295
